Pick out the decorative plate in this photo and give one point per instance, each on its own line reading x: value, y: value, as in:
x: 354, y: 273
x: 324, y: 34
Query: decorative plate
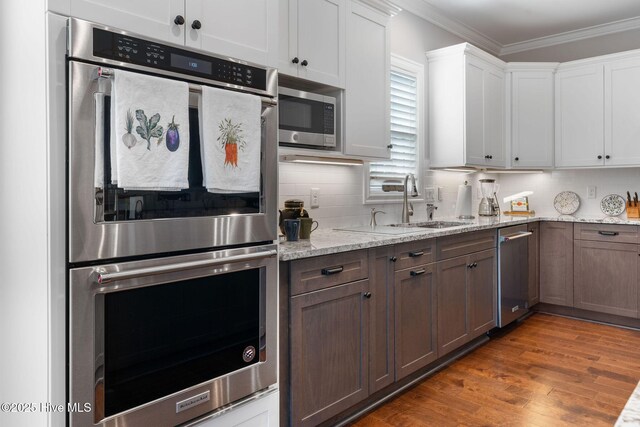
x: 612, y: 205
x: 566, y: 202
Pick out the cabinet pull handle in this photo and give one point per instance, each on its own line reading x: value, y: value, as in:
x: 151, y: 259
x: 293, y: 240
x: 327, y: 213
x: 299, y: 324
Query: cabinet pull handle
x: 179, y: 20
x: 390, y: 146
x: 332, y: 270
x: 416, y: 254
x: 415, y: 273
x: 295, y: 60
x: 393, y: 259
x: 608, y: 233
x: 304, y: 63
x: 367, y: 295
x: 475, y: 264
x: 196, y: 25
x: 469, y: 265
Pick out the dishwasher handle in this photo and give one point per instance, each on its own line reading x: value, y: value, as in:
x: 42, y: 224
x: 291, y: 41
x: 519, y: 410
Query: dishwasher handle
x: 504, y: 239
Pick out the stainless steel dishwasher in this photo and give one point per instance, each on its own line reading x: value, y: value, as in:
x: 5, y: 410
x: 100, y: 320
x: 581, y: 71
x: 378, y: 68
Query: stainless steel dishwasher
x: 513, y: 273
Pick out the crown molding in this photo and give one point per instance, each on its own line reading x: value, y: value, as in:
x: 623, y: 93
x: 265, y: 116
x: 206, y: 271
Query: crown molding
x: 571, y: 36
x: 384, y: 6
x: 432, y: 14
x: 429, y: 13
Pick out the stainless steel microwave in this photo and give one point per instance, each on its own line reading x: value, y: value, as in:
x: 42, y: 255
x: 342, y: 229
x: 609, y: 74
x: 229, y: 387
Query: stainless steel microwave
x: 306, y: 119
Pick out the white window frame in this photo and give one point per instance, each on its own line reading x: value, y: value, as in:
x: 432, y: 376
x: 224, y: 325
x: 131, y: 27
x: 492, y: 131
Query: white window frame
x: 410, y: 67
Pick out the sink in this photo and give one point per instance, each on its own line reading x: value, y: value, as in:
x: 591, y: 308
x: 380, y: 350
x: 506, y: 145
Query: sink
x: 431, y: 224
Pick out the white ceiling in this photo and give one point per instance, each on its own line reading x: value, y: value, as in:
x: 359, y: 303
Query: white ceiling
x: 508, y: 26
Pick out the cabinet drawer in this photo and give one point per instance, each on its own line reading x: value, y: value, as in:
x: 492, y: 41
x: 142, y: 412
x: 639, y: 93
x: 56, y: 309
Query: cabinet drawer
x: 606, y: 233
x: 465, y: 243
x: 311, y: 274
x: 412, y: 254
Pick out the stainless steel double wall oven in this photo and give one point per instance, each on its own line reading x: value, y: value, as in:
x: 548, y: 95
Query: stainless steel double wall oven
x: 171, y: 294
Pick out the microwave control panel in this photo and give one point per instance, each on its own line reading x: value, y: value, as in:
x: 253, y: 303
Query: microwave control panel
x: 132, y: 50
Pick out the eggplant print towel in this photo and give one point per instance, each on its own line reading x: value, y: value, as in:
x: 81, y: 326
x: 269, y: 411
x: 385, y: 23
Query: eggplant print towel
x: 230, y: 141
x: 149, y: 132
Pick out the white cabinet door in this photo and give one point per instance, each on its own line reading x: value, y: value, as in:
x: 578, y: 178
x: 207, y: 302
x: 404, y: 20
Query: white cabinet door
x: 622, y: 113
x: 484, y: 96
x: 474, y: 109
x: 260, y: 412
x: 312, y: 40
x: 493, y: 105
x: 367, y: 94
x: 532, y: 119
x: 243, y: 29
x: 321, y: 41
x: 580, y: 116
x: 152, y: 18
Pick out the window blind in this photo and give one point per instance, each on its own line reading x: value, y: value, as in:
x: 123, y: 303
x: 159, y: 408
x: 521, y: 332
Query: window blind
x: 404, y: 129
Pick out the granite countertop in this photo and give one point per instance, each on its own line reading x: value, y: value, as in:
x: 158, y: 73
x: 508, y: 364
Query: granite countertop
x: 630, y: 415
x: 325, y: 242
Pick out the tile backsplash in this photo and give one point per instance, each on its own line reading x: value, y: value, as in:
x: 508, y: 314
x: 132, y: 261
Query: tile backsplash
x: 341, y: 191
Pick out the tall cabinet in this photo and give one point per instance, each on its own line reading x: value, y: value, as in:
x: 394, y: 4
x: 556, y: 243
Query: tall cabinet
x: 466, y: 107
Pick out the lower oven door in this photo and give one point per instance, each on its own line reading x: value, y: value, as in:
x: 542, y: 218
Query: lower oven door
x: 162, y: 341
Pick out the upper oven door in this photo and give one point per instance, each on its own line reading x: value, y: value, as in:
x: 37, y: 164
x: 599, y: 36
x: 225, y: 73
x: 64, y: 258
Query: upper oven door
x: 306, y: 118
x: 106, y: 221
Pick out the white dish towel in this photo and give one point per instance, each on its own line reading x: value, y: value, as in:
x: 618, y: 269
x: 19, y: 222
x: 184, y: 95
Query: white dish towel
x: 230, y: 141
x: 149, y: 132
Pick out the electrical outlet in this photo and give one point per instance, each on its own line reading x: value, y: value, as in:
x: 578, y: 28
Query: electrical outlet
x: 439, y: 194
x: 315, y: 197
x: 591, y: 192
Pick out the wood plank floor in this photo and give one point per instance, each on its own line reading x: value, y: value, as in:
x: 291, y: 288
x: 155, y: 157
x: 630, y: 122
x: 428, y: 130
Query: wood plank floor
x: 548, y: 371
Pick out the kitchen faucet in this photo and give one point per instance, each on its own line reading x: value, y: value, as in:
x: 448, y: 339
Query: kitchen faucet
x: 407, y: 208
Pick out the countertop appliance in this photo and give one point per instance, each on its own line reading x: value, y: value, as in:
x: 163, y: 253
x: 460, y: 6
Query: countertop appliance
x: 513, y: 273
x: 172, y: 307
x: 489, y: 203
x: 306, y: 119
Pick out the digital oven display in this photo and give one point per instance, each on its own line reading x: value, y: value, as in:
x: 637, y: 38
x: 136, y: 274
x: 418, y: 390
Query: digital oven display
x: 191, y: 64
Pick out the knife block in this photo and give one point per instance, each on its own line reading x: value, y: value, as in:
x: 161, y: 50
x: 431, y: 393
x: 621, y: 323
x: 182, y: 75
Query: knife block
x: 633, y: 211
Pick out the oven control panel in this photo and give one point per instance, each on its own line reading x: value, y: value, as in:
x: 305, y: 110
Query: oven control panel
x: 132, y: 50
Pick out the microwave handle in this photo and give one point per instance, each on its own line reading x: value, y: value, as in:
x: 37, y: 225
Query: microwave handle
x: 103, y: 278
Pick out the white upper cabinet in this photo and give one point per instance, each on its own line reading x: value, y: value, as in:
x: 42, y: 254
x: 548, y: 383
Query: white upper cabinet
x: 312, y: 42
x: 580, y: 116
x: 466, y: 108
x: 622, y: 112
x: 243, y: 29
x: 367, y: 123
x: 531, y: 114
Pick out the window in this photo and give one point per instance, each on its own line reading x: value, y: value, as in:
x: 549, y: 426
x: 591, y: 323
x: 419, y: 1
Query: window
x: 406, y: 86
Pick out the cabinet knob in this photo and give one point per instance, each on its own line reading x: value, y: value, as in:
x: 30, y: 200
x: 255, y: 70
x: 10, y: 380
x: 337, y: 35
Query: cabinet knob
x: 517, y: 159
x: 295, y: 60
x: 196, y: 25
x: 393, y: 259
x: 179, y: 20
x: 599, y: 157
x: 367, y: 295
x: 490, y: 156
x: 304, y: 63
x: 390, y: 146
x: 607, y: 157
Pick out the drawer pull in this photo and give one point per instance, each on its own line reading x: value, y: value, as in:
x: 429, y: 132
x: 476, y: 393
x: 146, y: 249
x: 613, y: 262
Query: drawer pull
x: 415, y: 273
x: 608, y: 233
x: 416, y: 254
x: 332, y: 270
x: 367, y: 295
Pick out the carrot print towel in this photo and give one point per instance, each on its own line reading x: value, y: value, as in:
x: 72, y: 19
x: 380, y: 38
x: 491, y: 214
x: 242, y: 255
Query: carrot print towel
x: 230, y: 141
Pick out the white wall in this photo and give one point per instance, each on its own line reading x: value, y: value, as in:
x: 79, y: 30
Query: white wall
x: 23, y: 218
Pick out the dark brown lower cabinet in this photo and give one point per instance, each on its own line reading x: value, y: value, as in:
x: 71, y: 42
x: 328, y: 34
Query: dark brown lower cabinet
x: 329, y: 351
x: 556, y: 263
x: 534, y: 263
x: 381, y: 318
x: 466, y: 299
x: 415, y: 318
x: 606, y: 277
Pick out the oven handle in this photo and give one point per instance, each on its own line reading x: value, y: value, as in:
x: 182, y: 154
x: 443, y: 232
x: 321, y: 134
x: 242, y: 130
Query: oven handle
x: 103, y: 278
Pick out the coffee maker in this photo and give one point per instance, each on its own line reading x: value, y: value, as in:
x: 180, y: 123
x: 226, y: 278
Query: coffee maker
x: 489, y: 203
